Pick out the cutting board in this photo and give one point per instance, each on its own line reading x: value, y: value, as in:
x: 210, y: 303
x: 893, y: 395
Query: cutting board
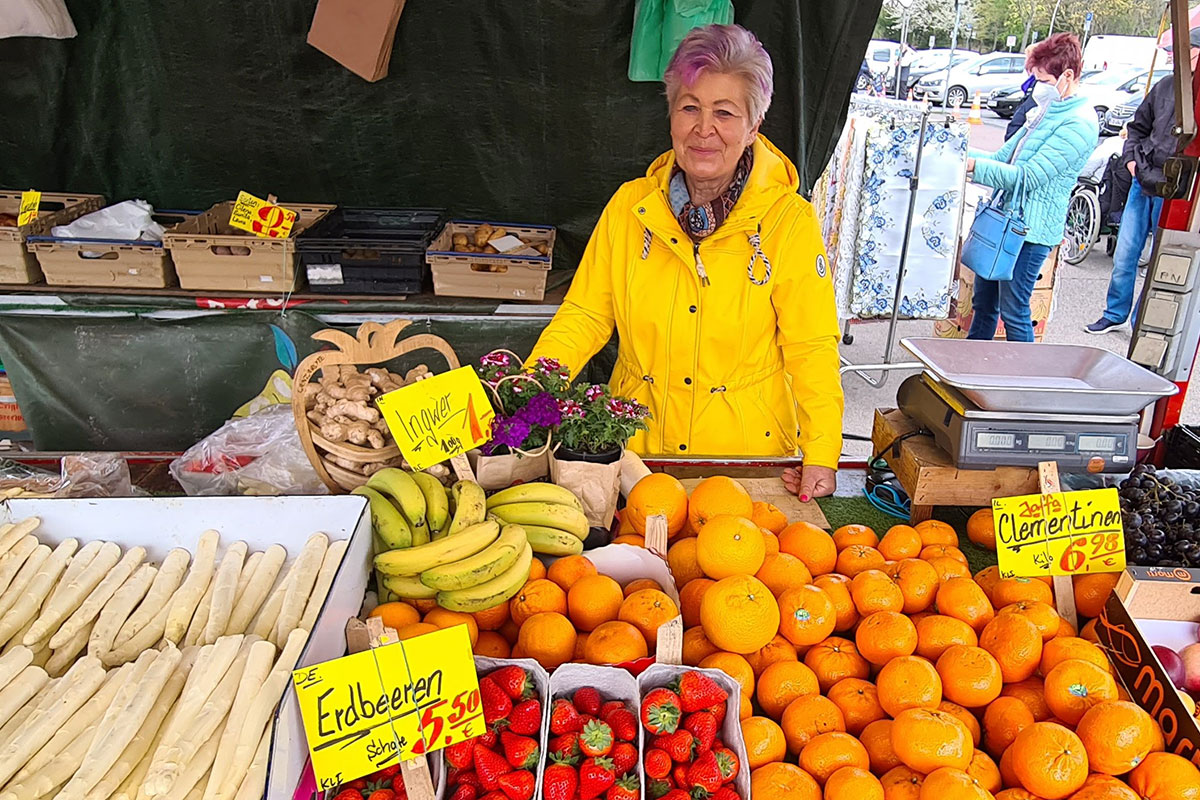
x: 773, y: 491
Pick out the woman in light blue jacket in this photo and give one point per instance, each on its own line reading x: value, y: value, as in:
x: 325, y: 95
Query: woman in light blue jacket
x: 1036, y: 169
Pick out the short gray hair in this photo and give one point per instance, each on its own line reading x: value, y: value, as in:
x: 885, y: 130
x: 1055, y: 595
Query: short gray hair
x: 725, y: 49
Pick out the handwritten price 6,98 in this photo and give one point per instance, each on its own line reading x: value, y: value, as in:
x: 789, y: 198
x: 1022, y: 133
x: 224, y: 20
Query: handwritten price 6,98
x: 1077, y: 552
x: 456, y: 725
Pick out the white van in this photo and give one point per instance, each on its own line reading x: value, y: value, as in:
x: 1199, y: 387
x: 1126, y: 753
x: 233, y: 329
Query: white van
x: 1107, y: 50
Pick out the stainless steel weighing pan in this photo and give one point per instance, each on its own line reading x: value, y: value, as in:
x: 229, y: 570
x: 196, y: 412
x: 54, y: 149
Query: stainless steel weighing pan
x: 1040, y: 378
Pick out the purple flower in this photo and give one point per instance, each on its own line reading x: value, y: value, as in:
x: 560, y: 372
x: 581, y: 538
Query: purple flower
x: 593, y: 392
x: 495, y: 360
x: 542, y: 411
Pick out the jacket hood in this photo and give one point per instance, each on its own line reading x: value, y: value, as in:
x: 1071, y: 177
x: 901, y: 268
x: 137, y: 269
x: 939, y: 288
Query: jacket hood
x: 772, y: 176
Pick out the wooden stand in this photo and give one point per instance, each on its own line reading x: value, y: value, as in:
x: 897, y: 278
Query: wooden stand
x: 1064, y: 587
x: 930, y: 477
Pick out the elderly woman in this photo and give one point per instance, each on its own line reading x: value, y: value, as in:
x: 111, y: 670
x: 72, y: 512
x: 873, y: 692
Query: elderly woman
x: 713, y: 272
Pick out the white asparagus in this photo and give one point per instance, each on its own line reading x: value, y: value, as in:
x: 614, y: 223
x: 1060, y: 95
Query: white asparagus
x: 132, y: 787
x: 24, y: 575
x: 61, y: 606
x: 91, y: 606
x: 195, y: 630
x: 12, y: 663
x: 195, y: 793
x: 12, y: 561
x: 259, y: 586
x: 255, y: 783
x: 10, y: 728
x: 329, y: 568
x: 213, y: 661
x: 194, y: 773
x: 15, y: 532
x: 27, y: 605
x: 308, y: 564
x: 225, y: 583
x: 20, y: 690
x: 259, y: 714
x: 79, y: 562
x: 42, y: 653
x: 166, y: 582
x: 185, y: 600
x: 77, y: 686
x: 264, y: 623
x: 118, y: 609
x: 258, y: 667
x: 63, y: 657
x: 248, y: 567
x: 144, y: 639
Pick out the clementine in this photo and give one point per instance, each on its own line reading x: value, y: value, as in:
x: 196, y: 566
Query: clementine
x: 872, y: 590
x: 739, y: 614
x: 858, y: 701
x: 764, y: 741
x: 936, y: 633
x: 810, y: 544
x: 918, y: 582
x: 492, y: 645
x: 962, y: 599
x: 806, y: 615
x: 647, y: 610
x: 1058, y: 650
x: 536, y: 597
x: 783, y: 571
x: 837, y: 587
x: 981, y: 529
x: 1092, y: 590
x: 908, y: 682
x: 902, y: 783
x: 689, y: 599
x: 696, y: 646
x: 1015, y: 643
x: 847, y: 535
x: 833, y: 659
x: 765, y: 515
x: 877, y: 738
x: 1003, y: 719
x: 396, y: 614
x: 1049, y: 760
x: 681, y: 558
x: 970, y: 676
x: 1076, y: 685
x: 935, y: 531
x: 853, y: 783
x: 807, y: 717
x: 826, y: 753
x: 444, y: 619
x: 548, y: 638
x: 638, y: 584
x: 775, y: 651
x: 1117, y: 735
x: 730, y: 545
x: 1017, y: 590
x: 885, y: 635
x: 657, y: 494
x: 614, y: 642
x: 964, y: 716
x: 780, y: 684
x: 594, y: 600
x: 927, y: 739
x: 1165, y: 776
x: 779, y: 781
x: 718, y: 495
x: 946, y: 782
x: 734, y: 666
x: 568, y: 569
x: 858, y: 558
x: 900, y: 542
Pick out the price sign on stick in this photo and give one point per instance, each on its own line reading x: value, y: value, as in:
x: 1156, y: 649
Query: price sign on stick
x: 438, y: 418
x: 261, y: 218
x: 443, y: 672
x: 1064, y: 533
x: 30, y: 201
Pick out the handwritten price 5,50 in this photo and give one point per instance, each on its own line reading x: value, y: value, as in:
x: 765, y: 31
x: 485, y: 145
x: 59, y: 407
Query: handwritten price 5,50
x: 454, y: 726
x: 1099, y: 545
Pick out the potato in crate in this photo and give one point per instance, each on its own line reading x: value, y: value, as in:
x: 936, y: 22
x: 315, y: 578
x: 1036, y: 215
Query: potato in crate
x: 17, y: 263
x: 486, y: 259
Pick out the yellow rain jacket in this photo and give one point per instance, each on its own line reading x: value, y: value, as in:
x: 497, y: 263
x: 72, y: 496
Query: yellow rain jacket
x: 746, y: 365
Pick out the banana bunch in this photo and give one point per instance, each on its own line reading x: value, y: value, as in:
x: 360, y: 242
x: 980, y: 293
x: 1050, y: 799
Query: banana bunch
x: 551, y: 516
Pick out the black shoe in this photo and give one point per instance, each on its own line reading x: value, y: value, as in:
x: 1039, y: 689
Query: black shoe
x: 1102, y: 325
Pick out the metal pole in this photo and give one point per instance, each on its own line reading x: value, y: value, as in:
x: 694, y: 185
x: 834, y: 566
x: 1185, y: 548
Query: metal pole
x: 1053, y: 14
x: 953, y: 47
x: 913, y: 183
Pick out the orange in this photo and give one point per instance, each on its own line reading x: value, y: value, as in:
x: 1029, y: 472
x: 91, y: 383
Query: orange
x: 943, y: 551
x: 415, y: 629
x: 1002, y: 721
x: 623, y: 526
x: 902, y: 783
x: 681, y: 558
x: 1016, y: 644
x: 1065, y: 630
x: 935, y: 531
x: 745, y: 707
x: 927, y: 739
x: 537, y: 570
x: 594, y: 600
x: 1040, y: 614
x: 1116, y: 790
x: 730, y: 545
x: 900, y: 542
x: 656, y: 494
x: 1092, y: 591
x: 1031, y: 692
x: 847, y: 535
x: 946, y: 782
x: 858, y: 701
x: 548, y: 638
x: 885, y: 635
x: 537, y: 597
x: 734, y: 666
x: 424, y: 605
x: 1076, y: 685
x: 970, y: 676
x: 1015, y: 794
x: 1088, y: 631
x: 783, y: 571
x: 1049, y: 760
x: 646, y: 610
x: 764, y: 741
x: 872, y: 590
x: 490, y: 619
x: 838, y: 588
x: 853, y: 783
x: 1007, y: 774
x: 858, y: 558
x: 782, y: 683
x: 739, y: 614
x: 778, y: 781
x: 981, y: 529
x: 1016, y: 590
x: 908, y: 682
x: 807, y: 717
x: 715, y: 496
x: 689, y: 599
x: 1165, y: 776
x: 1058, y: 650
x: 826, y: 753
x: 811, y: 545
x: 918, y: 582
x: 948, y: 568
x: 962, y: 598
x: 833, y: 659
x: 987, y: 578
x: 696, y: 646
x: 630, y: 538
x: 396, y: 615
x: 509, y: 630
x: 1117, y: 736
x: 877, y: 738
x: 492, y: 645
x: 638, y: 584
x: 581, y: 640
x: 448, y: 619
x: 614, y: 642
x: 765, y: 515
x: 806, y: 615
x: 778, y: 650
x: 936, y: 633
x: 770, y: 542
x: 568, y: 569
x: 964, y: 716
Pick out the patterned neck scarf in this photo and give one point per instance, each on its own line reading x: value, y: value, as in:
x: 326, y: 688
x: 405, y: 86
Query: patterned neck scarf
x: 699, y: 221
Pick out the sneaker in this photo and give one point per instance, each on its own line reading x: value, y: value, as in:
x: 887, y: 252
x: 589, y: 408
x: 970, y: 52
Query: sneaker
x: 1102, y: 325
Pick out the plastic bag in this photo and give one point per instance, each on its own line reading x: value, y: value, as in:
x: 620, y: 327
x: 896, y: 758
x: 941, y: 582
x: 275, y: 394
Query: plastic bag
x: 96, y: 475
x: 128, y: 221
x: 48, y: 19
x: 260, y: 454
x: 645, y: 46
x: 681, y: 16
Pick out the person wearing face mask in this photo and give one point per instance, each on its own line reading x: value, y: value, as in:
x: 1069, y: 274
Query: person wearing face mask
x: 1036, y: 169
x: 712, y: 270
x: 1151, y: 141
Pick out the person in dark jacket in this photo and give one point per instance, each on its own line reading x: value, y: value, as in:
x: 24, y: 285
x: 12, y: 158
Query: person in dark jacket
x: 1151, y: 141
x: 1018, y: 117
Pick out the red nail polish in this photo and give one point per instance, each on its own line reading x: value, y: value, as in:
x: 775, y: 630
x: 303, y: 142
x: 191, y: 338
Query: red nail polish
x: 803, y: 498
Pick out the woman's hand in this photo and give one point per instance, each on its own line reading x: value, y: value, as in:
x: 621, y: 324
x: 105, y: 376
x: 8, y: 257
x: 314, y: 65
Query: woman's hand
x: 970, y: 165
x: 810, y: 482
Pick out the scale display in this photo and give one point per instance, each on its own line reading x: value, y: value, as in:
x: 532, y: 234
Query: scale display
x: 995, y: 441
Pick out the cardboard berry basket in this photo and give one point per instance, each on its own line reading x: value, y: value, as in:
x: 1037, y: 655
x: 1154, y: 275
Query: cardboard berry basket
x: 613, y: 683
x: 660, y: 675
x: 541, y: 681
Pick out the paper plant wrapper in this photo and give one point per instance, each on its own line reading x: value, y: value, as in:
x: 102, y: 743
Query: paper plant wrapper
x: 598, y: 487
x: 613, y: 683
x: 541, y: 682
x: 500, y: 472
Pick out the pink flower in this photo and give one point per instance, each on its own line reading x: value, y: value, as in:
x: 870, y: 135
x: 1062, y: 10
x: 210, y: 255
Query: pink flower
x: 495, y: 360
x: 593, y: 392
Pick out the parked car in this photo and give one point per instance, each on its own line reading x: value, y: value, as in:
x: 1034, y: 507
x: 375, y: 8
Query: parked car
x: 883, y: 57
x: 1118, y: 117
x: 1003, y: 102
x: 981, y: 74
x: 1118, y: 86
x: 931, y: 61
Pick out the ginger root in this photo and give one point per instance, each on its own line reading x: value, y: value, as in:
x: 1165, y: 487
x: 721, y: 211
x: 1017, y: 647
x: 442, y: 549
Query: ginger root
x: 354, y: 410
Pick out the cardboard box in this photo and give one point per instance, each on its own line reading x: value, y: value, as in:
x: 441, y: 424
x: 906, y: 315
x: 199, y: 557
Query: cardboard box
x: 17, y: 264
x: 11, y: 418
x: 159, y: 524
x: 1041, y: 304
x: 358, y: 34
x: 1154, y: 605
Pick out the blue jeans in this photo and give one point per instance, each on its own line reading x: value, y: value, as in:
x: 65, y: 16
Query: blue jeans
x: 1008, y: 299
x: 1138, y: 220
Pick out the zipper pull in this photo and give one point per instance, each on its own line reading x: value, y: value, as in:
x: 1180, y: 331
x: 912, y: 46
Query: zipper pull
x: 700, y: 264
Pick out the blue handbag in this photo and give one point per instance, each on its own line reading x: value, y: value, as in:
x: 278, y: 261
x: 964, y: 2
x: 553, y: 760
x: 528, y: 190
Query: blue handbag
x: 995, y: 240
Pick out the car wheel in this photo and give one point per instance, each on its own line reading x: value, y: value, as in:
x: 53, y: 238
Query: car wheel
x: 862, y: 83
x: 956, y: 97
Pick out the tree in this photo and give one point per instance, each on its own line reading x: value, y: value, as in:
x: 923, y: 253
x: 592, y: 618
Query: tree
x: 925, y: 18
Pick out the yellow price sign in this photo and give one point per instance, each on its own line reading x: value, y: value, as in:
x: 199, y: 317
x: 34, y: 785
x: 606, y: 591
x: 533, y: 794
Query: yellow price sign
x: 261, y: 218
x: 1066, y: 533
x: 30, y: 202
x: 443, y: 672
x: 438, y: 418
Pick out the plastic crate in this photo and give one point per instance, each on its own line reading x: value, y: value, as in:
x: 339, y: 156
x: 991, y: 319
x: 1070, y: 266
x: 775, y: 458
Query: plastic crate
x: 17, y: 263
x: 369, y: 250
x: 1183, y: 448
x: 491, y: 275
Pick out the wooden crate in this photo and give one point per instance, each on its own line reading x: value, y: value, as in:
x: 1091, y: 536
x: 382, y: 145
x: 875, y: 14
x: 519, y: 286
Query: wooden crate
x: 494, y: 275
x: 17, y: 264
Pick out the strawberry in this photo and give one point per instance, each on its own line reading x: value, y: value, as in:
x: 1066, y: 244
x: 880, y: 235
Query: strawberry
x: 726, y: 793
x: 518, y: 784
x: 596, y: 738
x: 496, y: 702
x: 623, y: 724
x: 657, y: 764
x: 595, y: 776
x: 566, y: 748
x: 717, y: 743
x: 624, y: 757
x: 697, y: 692
x: 719, y: 711
x: 626, y: 788
x: 660, y: 711
x: 705, y: 773
x: 382, y: 794
x: 679, y: 745
x: 608, y: 707
x: 515, y: 682
x: 400, y: 789
x: 459, y: 755
x: 728, y: 761
x: 521, y: 752
x: 526, y: 717
x: 494, y: 795
x: 488, y: 739
x: 349, y: 794
x: 675, y: 794
x: 564, y: 718
x: 465, y: 777
x: 464, y: 791
x: 587, y: 700
x: 559, y: 781
x: 702, y: 725
x: 385, y: 774
x: 679, y: 775
x: 489, y: 766
x: 656, y: 788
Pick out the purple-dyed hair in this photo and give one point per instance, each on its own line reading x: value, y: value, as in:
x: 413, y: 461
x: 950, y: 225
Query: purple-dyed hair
x: 726, y: 49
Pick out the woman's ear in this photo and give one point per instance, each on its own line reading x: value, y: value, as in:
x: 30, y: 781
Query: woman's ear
x: 753, y: 134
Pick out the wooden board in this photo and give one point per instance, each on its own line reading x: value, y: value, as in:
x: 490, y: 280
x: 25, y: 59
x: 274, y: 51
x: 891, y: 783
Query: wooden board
x: 772, y: 490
